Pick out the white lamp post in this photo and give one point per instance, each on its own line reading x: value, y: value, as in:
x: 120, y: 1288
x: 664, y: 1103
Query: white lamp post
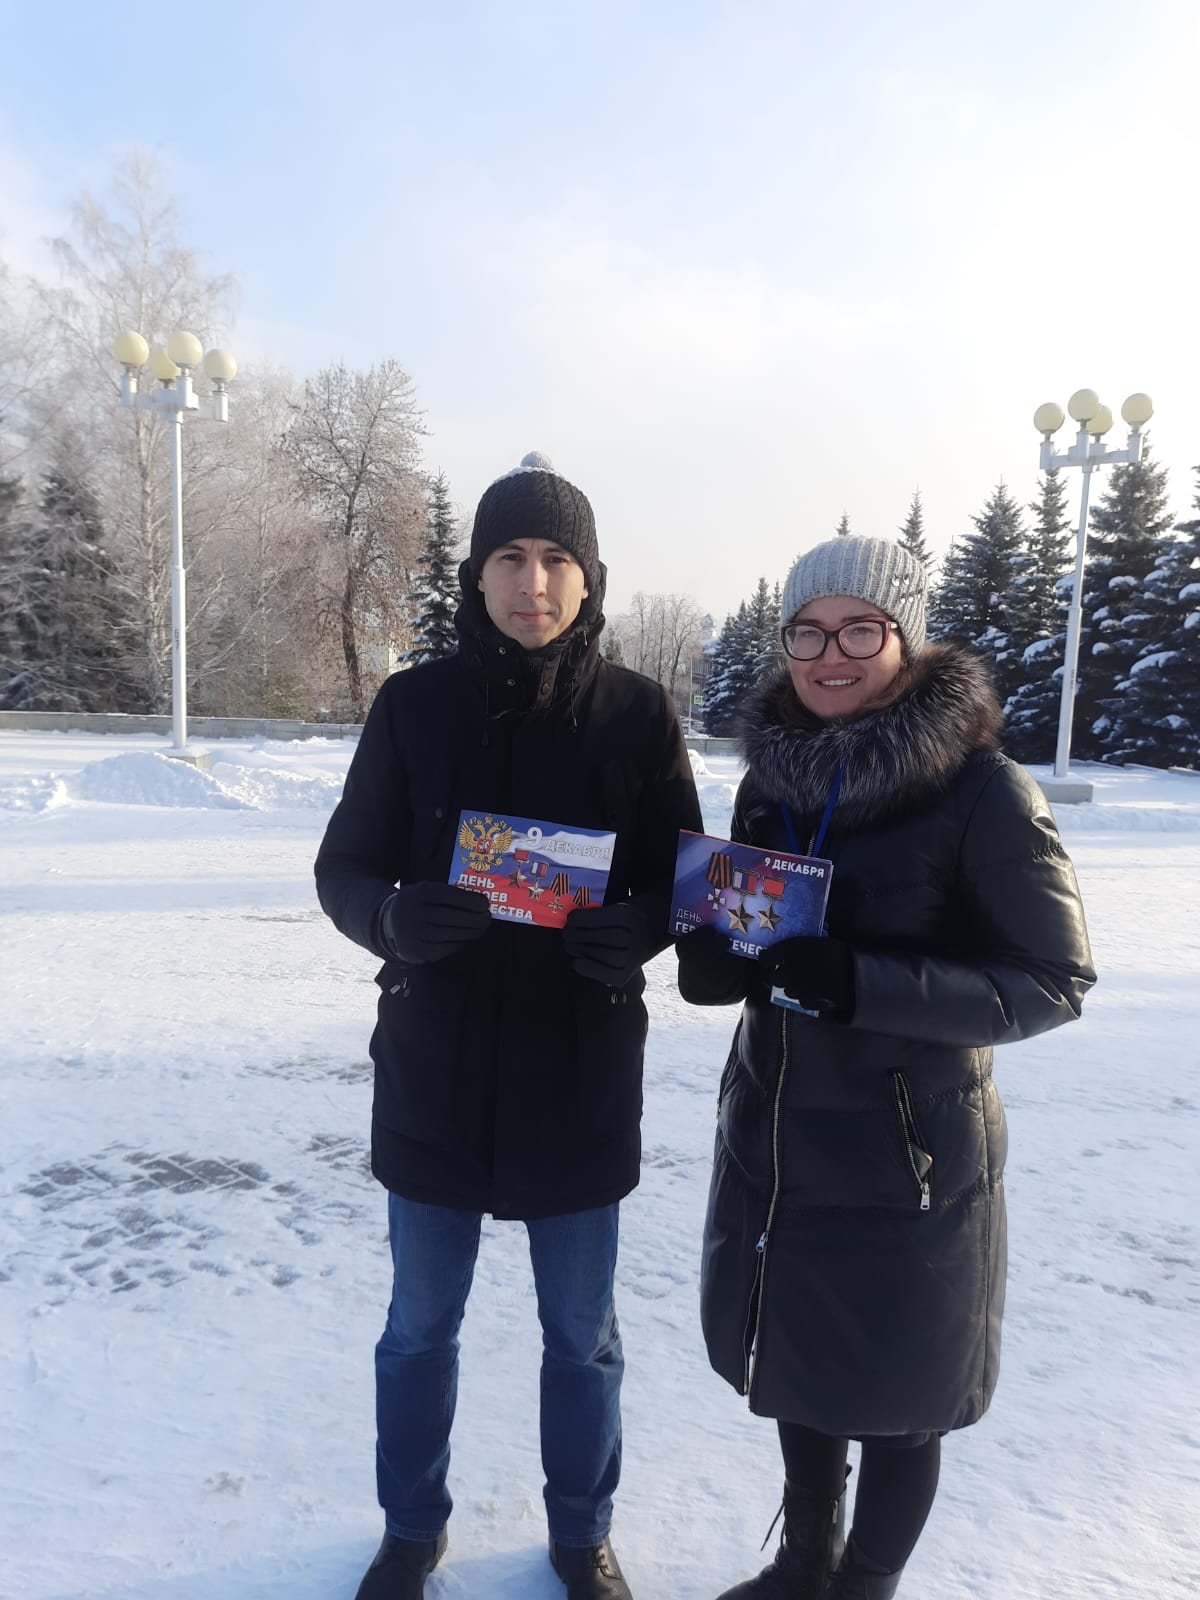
x: 173, y: 397
x: 1094, y: 421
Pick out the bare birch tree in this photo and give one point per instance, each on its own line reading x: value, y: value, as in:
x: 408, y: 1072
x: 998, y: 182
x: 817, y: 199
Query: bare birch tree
x: 255, y: 627
x: 354, y: 440
x: 658, y: 634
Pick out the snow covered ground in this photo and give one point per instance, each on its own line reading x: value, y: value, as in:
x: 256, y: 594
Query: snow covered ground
x: 193, y: 1265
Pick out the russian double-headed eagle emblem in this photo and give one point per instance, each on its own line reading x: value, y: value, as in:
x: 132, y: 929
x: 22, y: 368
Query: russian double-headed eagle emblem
x: 486, y: 841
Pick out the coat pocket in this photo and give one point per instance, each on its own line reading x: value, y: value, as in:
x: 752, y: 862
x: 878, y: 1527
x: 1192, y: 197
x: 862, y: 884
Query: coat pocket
x: 426, y: 1068
x: 916, y: 1151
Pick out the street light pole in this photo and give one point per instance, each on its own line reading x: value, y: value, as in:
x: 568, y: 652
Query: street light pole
x: 172, y: 400
x: 178, y: 587
x: 1087, y: 453
x: 1066, y: 707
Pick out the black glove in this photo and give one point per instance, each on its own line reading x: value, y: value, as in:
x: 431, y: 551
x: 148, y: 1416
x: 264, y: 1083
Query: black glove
x: 709, y: 972
x: 607, y: 943
x: 817, y: 972
x: 428, y: 921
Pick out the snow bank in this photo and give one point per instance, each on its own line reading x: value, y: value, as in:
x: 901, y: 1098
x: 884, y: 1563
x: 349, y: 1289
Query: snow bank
x: 254, y: 782
x: 149, y: 779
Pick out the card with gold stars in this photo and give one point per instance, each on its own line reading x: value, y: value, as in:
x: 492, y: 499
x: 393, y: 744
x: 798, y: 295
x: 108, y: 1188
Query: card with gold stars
x: 535, y: 872
x: 752, y: 895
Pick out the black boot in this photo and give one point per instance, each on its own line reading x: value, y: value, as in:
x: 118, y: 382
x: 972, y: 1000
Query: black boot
x: 854, y: 1581
x: 590, y: 1573
x: 811, y: 1546
x: 400, y: 1568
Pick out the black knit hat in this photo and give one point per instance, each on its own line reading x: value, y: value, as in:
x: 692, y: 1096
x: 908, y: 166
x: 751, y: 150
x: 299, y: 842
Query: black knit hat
x: 534, y: 502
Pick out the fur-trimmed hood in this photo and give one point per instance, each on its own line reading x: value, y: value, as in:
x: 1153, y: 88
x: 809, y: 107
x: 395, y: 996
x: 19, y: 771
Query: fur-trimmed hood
x: 893, y: 759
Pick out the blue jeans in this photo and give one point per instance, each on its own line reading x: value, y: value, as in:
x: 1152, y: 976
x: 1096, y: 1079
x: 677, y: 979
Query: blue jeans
x: 416, y: 1366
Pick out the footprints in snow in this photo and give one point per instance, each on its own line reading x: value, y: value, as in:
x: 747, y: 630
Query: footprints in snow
x: 128, y: 1220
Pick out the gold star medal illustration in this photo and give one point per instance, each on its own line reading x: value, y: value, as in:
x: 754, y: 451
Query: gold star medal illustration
x: 770, y: 919
x: 744, y: 885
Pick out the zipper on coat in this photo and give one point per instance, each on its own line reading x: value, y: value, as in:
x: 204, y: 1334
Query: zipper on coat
x: 750, y: 1331
x: 754, y: 1311
x: 919, y: 1158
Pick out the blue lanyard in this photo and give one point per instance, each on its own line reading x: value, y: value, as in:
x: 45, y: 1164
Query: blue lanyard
x: 819, y: 840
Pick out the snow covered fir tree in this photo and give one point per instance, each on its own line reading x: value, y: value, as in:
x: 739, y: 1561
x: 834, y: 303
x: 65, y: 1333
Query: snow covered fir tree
x: 730, y: 675
x: 1006, y: 593
x: 434, y: 593
x: 746, y: 648
x: 912, y: 533
x: 12, y: 543
x: 1152, y: 715
x: 61, y: 644
x: 1129, y: 534
x: 1041, y: 602
x: 975, y: 600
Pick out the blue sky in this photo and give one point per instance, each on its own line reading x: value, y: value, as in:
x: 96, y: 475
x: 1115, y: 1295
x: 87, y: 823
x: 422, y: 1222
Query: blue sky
x: 736, y: 268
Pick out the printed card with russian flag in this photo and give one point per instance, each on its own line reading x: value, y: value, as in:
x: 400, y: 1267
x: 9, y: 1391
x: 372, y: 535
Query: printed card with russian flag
x: 535, y: 872
x: 754, y: 896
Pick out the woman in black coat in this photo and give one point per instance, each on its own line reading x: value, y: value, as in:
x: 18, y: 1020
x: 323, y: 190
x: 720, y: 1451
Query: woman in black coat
x: 854, y: 1252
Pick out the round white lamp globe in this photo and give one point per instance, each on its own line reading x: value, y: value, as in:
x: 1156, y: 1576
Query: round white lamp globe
x: 185, y: 349
x: 220, y: 366
x: 1138, y: 410
x: 1101, y: 421
x: 1049, y: 418
x: 163, y: 368
x: 130, y: 349
x: 1083, y: 405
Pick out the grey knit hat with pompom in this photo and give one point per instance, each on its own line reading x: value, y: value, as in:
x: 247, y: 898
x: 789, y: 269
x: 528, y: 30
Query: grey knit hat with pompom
x: 876, y: 570
x: 533, y: 501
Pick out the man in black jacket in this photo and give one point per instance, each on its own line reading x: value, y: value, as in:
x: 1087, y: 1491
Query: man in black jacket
x: 477, y: 1109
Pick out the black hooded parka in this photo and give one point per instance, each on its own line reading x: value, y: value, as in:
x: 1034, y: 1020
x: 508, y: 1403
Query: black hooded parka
x: 504, y: 1081
x: 854, y: 1252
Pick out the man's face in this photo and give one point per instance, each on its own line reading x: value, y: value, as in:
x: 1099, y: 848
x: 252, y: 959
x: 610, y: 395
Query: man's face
x: 533, y: 590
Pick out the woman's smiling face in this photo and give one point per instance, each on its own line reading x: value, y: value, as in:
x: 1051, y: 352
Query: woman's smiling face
x: 836, y: 685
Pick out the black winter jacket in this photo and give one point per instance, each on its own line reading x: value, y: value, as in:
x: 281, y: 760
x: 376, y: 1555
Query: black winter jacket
x: 847, y: 1284
x: 505, y: 1082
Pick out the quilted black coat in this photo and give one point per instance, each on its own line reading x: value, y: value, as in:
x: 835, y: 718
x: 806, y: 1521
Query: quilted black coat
x: 504, y: 1081
x: 854, y: 1251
